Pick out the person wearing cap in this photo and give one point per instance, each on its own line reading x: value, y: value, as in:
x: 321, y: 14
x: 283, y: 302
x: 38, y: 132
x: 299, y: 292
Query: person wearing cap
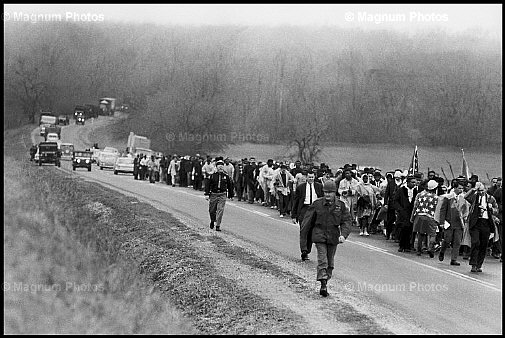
x: 481, y: 223
x: 283, y: 182
x: 266, y: 175
x: 197, y: 174
x: 326, y: 224
x: 423, y: 217
x: 219, y: 188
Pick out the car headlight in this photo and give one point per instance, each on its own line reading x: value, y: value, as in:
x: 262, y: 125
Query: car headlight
x: 87, y: 161
x: 78, y: 160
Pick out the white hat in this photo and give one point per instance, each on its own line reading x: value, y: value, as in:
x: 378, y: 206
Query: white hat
x: 432, y: 184
x: 398, y: 174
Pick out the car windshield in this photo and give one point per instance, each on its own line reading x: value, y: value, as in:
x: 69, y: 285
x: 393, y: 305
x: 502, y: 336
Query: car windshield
x: 125, y: 160
x: 48, y: 148
x: 82, y: 154
x: 67, y: 147
x: 48, y: 119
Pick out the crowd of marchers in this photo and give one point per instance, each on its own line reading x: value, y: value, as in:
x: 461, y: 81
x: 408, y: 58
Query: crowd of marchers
x: 423, y: 215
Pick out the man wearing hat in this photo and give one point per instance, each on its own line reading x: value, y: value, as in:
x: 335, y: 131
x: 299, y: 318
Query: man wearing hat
x: 326, y: 224
x: 219, y: 188
x: 423, y: 217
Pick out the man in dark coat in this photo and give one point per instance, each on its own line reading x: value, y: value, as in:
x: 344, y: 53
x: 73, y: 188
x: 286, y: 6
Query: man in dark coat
x: 403, y: 203
x: 197, y: 172
x: 326, y: 224
x: 219, y: 188
x: 480, y: 222
x: 303, y: 200
x: 250, y: 179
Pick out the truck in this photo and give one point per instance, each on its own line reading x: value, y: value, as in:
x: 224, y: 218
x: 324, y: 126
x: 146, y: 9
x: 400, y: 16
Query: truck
x: 86, y: 111
x: 52, y: 128
x: 46, y: 119
x: 136, y: 142
x: 107, y: 105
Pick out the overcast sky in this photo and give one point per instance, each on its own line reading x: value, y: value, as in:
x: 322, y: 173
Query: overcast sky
x: 407, y: 18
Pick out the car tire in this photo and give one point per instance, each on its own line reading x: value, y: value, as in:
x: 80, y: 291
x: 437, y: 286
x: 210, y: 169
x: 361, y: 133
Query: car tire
x: 73, y: 168
x: 115, y: 172
x: 89, y: 168
x: 101, y: 168
x: 40, y: 163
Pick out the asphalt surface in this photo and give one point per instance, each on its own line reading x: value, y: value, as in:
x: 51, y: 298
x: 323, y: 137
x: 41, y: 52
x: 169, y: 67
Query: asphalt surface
x: 433, y: 295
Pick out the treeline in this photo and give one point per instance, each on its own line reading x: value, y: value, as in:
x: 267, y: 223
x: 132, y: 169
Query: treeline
x: 294, y: 84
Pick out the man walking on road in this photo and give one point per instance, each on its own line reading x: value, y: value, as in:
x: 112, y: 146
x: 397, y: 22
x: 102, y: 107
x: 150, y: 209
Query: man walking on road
x: 219, y: 188
x: 327, y: 223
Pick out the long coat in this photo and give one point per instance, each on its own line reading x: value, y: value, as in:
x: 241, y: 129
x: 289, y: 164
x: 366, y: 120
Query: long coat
x: 402, y: 205
x: 300, y: 197
x: 324, y: 224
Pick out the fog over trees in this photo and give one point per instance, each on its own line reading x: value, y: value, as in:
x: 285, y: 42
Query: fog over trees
x: 294, y: 84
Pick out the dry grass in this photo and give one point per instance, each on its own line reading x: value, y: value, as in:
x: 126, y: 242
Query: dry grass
x: 61, y: 276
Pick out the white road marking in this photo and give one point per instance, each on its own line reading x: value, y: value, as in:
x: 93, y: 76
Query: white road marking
x: 364, y: 245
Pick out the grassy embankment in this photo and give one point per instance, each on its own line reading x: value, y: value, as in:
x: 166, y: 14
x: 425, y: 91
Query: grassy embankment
x: 61, y: 272
x: 80, y: 258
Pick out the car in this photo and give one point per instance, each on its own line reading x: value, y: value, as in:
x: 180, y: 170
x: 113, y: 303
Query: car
x: 49, y: 153
x: 67, y: 150
x: 63, y: 119
x: 81, y: 159
x: 123, y: 164
x: 52, y: 137
x: 80, y: 119
x: 96, y: 152
x: 106, y: 160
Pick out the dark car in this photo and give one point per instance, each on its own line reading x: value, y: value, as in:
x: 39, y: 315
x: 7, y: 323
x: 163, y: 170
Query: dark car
x: 80, y: 119
x: 63, y: 120
x: 49, y: 153
x: 82, y: 159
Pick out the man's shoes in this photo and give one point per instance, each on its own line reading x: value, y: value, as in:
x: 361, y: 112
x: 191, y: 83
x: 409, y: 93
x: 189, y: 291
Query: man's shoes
x: 212, y: 224
x: 305, y: 256
x: 366, y: 233
x: 400, y: 250
x: 474, y: 268
x: 479, y: 270
x: 455, y: 263
x: 465, y: 257
x: 218, y: 228
x: 323, y: 291
x: 441, y: 256
x: 281, y: 216
x: 495, y: 255
x: 430, y: 252
x: 361, y: 233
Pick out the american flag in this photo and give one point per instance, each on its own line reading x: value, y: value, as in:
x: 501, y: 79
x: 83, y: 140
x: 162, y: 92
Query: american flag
x: 414, y: 164
x: 464, y: 170
x: 427, y: 204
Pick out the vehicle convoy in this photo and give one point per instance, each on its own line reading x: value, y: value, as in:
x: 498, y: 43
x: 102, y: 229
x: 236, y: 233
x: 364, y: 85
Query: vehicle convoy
x: 123, y: 165
x: 67, y: 150
x: 49, y: 153
x: 46, y: 119
x: 81, y: 159
x: 136, y: 142
x: 52, y: 129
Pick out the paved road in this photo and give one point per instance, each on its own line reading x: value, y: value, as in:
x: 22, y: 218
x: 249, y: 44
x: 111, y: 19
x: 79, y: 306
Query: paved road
x: 433, y: 295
